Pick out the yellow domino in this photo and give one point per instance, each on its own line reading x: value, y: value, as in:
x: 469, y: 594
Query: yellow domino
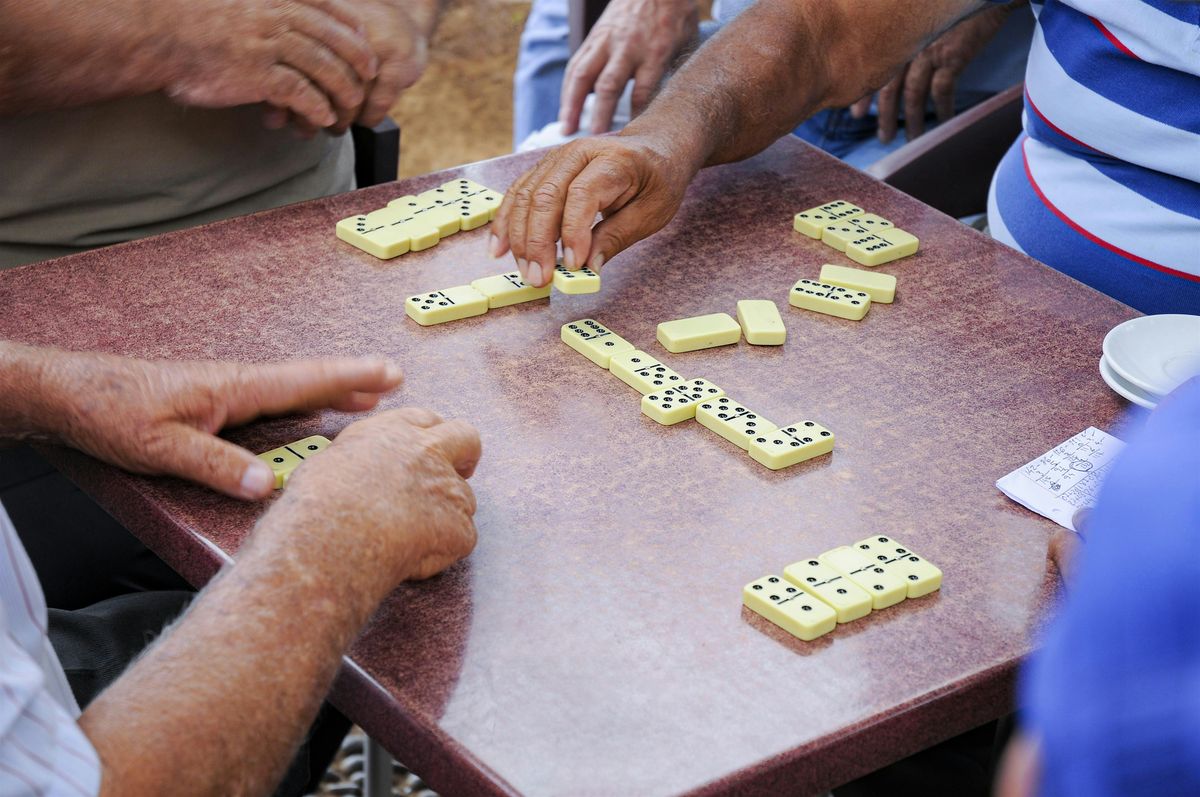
x: 760, y: 322
x: 790, y: 445
x: 872, y: 223
x: 505, y: 289
x: 849, y: 600
x: 811, y: 222
x: 886, y: 589
x: 789, y: 607
x: 737, y: 424
x: 880, y: 287
x: 377, y: 233
x: 920, y: 576
x: 829, y: 299
x: 479, y: 208
x: 841, y: 233
x: 594, y: 340
x: 679, y: 403
x: 451, y: 304
x: 285, y: 459
x: 882, y: 247
x: 701, y: 332
x: 575, y: 282
x: 642, y: 372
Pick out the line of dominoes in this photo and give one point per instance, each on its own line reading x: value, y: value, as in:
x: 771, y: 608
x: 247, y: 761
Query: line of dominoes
x: 489, y: 293
x: 865, y: 238
x: 840, y: 586
x: 669, y: 398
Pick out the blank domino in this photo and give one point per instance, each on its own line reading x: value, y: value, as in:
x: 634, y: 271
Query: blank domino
x: 737, y: 424
x: 880, y: 287
x: 882, y: 247
x: 594, y: 340
x: 760, y: 322
x: 701, y: 332
x: 451, y: 304
x: 829, y: 299
x: 812, y: 221
x: 790, y: 445
x: 789, y: 607
x: 642, y: 372
x: 677, y: 404
x: 285, y: 459
x: 849, y: 600
x: 503, y: 290
x: 574, y: 282
x: 920, y: 576
x: 886, y: 589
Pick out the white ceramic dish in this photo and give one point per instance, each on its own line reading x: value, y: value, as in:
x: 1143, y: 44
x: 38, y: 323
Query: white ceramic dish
x: 1155, y: 353
x: 1123, y: 388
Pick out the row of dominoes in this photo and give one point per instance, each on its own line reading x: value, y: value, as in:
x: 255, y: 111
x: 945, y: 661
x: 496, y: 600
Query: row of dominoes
x: 865, y: 238
x: 841, y: 586
x: 413, y: 223
x: 501, y: 290
x: 843, y: 292
x: 669, y: 399
x: 285, y: 459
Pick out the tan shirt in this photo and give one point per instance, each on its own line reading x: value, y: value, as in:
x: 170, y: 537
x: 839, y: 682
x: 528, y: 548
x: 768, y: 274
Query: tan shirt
x: 84, y: 177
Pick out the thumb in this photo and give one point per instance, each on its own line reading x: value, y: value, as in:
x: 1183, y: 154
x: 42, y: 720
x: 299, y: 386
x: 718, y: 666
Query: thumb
x: 206, y: 459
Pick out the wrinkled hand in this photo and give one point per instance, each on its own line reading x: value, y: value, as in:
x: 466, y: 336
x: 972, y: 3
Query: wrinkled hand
x: 932, y: 74
x: 162, y: 417
x: 635, y: 181
x: 633, y: 39
x: 311, y: 58
x: 397, y: 480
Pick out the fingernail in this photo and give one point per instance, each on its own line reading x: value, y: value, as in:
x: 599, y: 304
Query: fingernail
x: 494, y: 245
x: 523, y: 267
x: 393, y: 373
x: 257, y: 480
x: 569, y: 258
x: 547, y: 273
x: 535, y: 268
x: 597, y: 262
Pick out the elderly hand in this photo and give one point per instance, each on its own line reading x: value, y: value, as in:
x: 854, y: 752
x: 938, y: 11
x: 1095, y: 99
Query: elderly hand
x: 636, y: 181
x: 308, y: 57
x: 400, y: 474
x: 162, y: 417
x: 933, y: 73
x: 633, y: 39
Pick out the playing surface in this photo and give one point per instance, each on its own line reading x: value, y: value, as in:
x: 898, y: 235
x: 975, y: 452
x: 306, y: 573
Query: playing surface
x: 600, y: 619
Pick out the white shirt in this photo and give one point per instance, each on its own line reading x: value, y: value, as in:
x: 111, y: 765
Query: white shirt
x: 43, y: 752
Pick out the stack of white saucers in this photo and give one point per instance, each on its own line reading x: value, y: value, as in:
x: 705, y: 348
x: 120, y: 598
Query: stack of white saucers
x: 1146, y: 358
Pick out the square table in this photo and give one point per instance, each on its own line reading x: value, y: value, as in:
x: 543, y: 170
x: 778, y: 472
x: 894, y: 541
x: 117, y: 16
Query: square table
x: 595, y: 642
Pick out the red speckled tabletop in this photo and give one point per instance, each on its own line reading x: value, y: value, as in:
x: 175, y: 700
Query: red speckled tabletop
x: 595, y: 642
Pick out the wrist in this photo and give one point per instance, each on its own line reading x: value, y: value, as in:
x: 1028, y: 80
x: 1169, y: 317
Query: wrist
x: 684, y: 155
x: 33, y: 405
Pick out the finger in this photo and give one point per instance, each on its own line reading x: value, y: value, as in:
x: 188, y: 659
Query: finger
x: 597, y: 186
x: 1064, y: 546
x: 1081, y: 520
x: 305, y: 385
x: 860, y: 109
x: 198, y: 456
x: 645, y: 83
x: 608, y: 90
x: 288, y: 88
x: 460, y: 443
x: 515, y: 224
x: 416, y: 416
x: 1020, y: 768
x: 339, y: 27
x: 329, y: 73
x: 942, y: 89
x: 887, y: 107
x: 395, y: 75
x: 916, y: 96
x: 581, y: 74
x: 543, y: 224
x: 274, y: 118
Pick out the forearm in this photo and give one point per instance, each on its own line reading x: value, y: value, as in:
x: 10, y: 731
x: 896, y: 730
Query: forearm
x: 241, y: 677
x: 27, y: 404
x: 61, y: 53
x: 781, y: 61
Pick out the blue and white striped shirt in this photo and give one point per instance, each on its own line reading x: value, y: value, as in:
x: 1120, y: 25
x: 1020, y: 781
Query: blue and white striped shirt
x: 1105, y: 183
x: 43, y: 752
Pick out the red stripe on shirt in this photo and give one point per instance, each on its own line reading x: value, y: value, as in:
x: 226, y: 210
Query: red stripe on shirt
x: 1033, y: 107
x: 1108, y: 34
x: 1093, y: 238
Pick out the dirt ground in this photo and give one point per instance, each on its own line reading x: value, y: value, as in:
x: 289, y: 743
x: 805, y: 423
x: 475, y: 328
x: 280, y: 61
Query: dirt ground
x: 461, y: 110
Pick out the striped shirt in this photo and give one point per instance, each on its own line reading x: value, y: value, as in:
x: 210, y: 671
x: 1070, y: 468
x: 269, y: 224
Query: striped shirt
x: 43, y: 752
x: 1104, y: 185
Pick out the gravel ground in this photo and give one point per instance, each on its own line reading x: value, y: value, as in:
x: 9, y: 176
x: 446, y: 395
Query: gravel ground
x: 346, y: 774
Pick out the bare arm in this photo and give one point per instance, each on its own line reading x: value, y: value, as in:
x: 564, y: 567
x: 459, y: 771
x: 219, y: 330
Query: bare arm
x: 777, y: 63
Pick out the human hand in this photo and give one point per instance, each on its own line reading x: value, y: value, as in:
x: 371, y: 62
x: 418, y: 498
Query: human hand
x: 933, y: 73
x: 308, y: 57
x: 397, y: 482
x: 162, y: 417
x: 636, y: 181
x: 633, y: 39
